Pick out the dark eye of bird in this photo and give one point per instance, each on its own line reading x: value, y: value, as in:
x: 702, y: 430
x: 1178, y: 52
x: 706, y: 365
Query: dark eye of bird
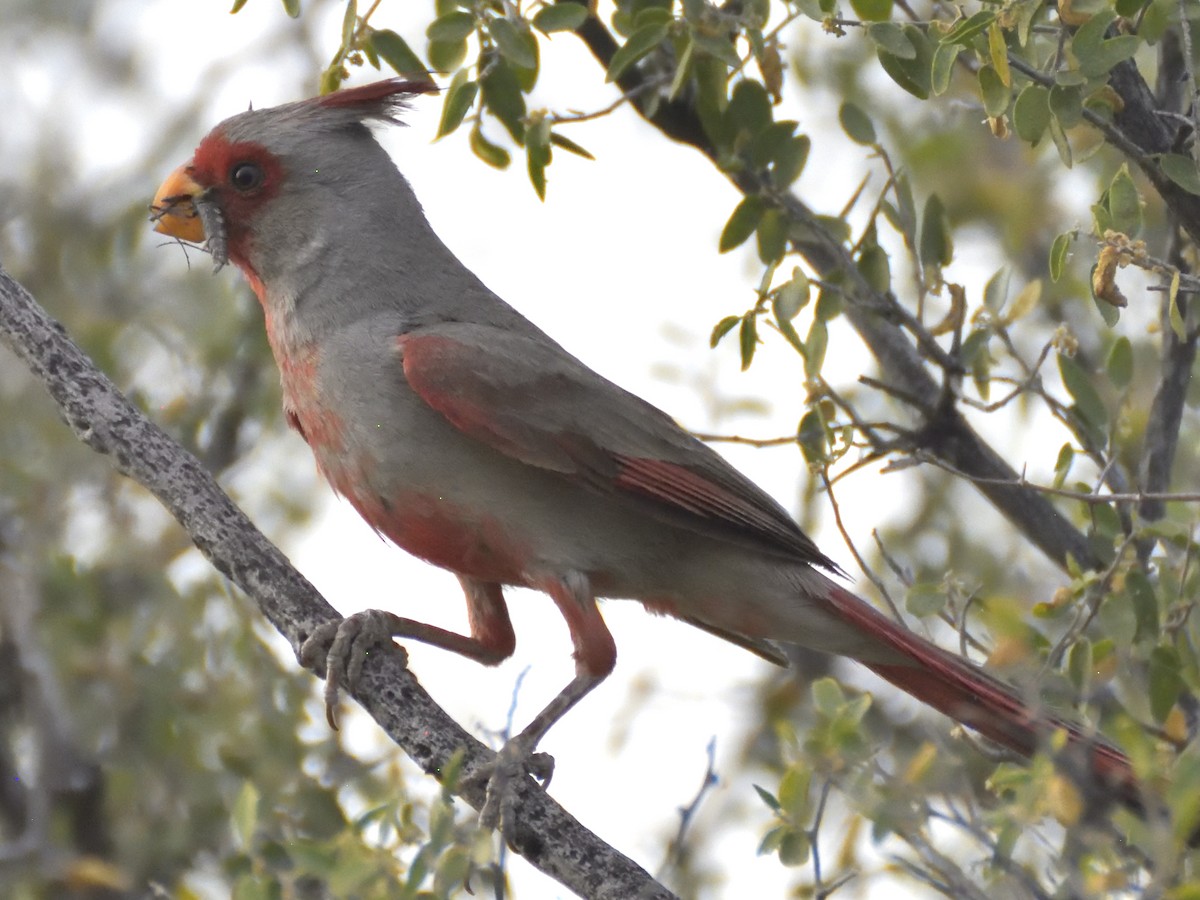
x: 245, y: 176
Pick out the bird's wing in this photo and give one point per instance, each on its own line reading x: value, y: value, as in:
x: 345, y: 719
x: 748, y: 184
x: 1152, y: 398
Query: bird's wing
x: 529, y: 399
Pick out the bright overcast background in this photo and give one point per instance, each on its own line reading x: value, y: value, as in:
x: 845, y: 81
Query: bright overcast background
x: 635, y: 750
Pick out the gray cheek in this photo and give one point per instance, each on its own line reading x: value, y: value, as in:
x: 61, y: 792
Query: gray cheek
x: 215, y: 239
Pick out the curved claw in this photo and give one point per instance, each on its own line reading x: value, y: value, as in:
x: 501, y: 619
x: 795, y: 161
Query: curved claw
x: 344, y: 647
x: 513, y: 762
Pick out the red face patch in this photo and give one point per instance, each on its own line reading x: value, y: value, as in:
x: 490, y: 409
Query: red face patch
x: 244, y: 177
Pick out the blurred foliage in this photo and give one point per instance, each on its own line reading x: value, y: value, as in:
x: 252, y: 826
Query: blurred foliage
x: 151, y: 735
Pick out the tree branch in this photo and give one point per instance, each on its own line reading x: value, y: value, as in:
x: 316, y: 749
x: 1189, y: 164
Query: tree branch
x: 100, y: 416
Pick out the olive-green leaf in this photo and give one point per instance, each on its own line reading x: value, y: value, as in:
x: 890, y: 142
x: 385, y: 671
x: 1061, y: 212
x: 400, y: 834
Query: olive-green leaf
x: 452, y: 27
x: 1031, y: 112
x: 503, y: 97
x: 890, y: 37
x: 394, y: 50
x: 516, y: 44
x: 742, y: 223
x: 944, y: 58
x: 856, y: 124
x: 748, y: 338
x: 1124, y: 204
x: 1082, y: 390
x: 772, y: 236
x: 936, y: 243
x: 1066, y: 103
x: 1166, y: 681
x: 560, y: 17
x: 723, y: 328
x: 966, y: 30
x: 995, y: 94
x: 872, y: 10
x: 1181, y: 170
x: 349, y: 24
x: 1120, y: 362
x: 459, y: 98
x: 1059, y: 250
x: 492, y: 154
x: 639, y: 44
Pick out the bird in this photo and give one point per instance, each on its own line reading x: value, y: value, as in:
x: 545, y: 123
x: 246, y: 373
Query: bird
x: 468, y: 437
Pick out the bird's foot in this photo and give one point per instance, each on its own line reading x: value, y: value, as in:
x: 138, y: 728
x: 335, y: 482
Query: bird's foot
x: 344, y: 647
x: 513, y: 762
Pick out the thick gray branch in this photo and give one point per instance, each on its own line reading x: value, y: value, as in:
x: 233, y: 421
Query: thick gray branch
x: 546, y: 835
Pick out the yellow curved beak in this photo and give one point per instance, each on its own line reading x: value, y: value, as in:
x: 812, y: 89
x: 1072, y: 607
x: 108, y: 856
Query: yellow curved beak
x: 173, y: 212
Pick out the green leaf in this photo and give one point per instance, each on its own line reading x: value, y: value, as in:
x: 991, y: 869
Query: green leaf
x: 1066, y: 104
x: 1062, y: 465
x: 447, y: 56
x: 292, y: 8
x: 722, y: 328
x: 1166, y: 681
x: 451, y: 28
x: 349, y: 24
x: 828, y: 696
x: 560, y: 17
x: 503, y: 97
x: 1144, y: 603
x: 795, y: 795
x: 1079, y: 385
x: 767, y: 797
x: 772, y: 236
x: 998, y: 52
x: 537, y: 153
x: 965, y: 31
x: 245, y: 814
x: 1059, y: 251
x: 1096, y: 54
x: 394, y: 50
x: 1031, y: 113
x: 1124, y: 204
x: 742, y: 223
x: 890, y: 37
x: 815, y: 346
x: 561, y: 140
x: 789, y: 163
x: 936, y: 244
x: 516, y: 44
x: 914, y: 75
x: 944, y: 58
x: 1120, y: 363
x: 492, y: 154
x: 748, y: 338
x: 875, y: 267
x: 872, y: 10
x: 639, y: 44
x: 856, y: 124
x: 1181, y: 170
x: 718, y: 46
x: 791, y: 297
x: 459, y: 98
x: 996, y: 95
x: 795, y: 848
x: 749, y: 110
x: 237, y: 5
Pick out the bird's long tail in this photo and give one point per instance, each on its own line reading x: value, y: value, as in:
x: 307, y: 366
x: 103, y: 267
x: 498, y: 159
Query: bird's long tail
x: 983, y: 703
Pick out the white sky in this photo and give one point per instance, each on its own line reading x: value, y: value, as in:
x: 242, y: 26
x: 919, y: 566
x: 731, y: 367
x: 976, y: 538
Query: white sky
x: 657, y: 208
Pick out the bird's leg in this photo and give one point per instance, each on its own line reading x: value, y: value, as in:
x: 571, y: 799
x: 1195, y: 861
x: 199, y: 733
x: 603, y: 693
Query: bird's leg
x: 345, y: 645
x: 595, y: 656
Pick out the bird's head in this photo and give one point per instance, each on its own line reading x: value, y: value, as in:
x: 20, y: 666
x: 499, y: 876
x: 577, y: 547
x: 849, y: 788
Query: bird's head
x: 261, y: 181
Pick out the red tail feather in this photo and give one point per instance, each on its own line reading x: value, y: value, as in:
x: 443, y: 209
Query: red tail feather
x: 983, y: 703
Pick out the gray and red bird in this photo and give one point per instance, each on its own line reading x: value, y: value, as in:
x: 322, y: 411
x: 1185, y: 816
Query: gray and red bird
x: 470, y: 438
